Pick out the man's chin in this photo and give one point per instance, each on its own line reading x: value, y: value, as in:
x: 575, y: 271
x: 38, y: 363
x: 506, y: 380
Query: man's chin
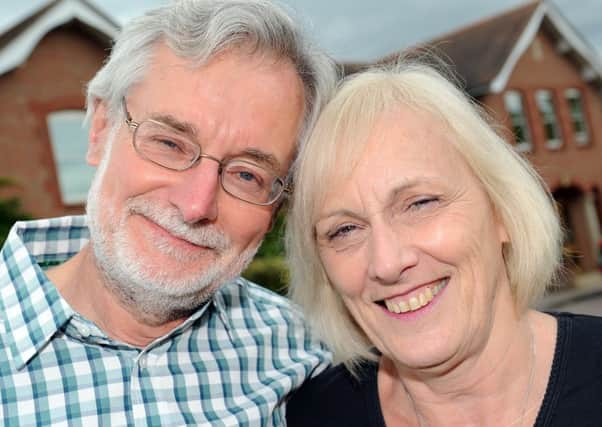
x: 175, y: 269
x: 181, y: 275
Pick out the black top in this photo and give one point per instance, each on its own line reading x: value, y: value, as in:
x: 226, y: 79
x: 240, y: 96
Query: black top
x: 573, y: 396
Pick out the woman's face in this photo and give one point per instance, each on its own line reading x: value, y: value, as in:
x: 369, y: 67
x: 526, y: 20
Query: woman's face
x: 411, y: 243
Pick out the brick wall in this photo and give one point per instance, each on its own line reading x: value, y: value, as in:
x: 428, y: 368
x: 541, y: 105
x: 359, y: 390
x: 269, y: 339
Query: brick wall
x: 52, y: 79
x: 571, y: 167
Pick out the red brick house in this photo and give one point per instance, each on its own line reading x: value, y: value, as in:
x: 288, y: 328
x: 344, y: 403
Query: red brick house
x: 535, y: 73
x: 45, y: 61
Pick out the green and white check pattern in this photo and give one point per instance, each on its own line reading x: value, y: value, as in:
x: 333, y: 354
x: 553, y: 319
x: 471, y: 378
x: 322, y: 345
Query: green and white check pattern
x: 230, y: 364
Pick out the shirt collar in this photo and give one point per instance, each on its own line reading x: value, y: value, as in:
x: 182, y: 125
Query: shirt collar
x: 32, y: 308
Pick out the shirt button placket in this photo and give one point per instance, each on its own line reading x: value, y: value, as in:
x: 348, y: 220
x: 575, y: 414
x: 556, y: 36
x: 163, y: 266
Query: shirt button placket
x: 138, y: 407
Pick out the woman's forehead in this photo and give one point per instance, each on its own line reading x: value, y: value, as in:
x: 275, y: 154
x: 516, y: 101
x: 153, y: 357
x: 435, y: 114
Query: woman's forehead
x: 402, y: 147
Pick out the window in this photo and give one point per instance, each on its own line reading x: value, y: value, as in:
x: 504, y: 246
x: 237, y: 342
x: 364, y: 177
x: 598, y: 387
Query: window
x: 513, y: 101
x: 69, y: 140
x: 547, y: 112
x: 575, y: 103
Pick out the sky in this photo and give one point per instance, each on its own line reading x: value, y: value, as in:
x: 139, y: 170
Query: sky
x: 364, y: 30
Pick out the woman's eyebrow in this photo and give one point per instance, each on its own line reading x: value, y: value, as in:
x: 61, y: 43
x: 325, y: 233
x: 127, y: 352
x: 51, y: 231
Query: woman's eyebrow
x: 398, y: 190
x: 407, y: 185
x: 337, y: 212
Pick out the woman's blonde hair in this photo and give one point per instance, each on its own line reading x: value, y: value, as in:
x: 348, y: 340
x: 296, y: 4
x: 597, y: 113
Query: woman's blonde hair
x: 517, y: 192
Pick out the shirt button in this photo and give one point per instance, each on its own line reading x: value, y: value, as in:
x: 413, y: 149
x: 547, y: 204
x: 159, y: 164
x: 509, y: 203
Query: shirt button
x: 142, y: 362
x: 84, y: 331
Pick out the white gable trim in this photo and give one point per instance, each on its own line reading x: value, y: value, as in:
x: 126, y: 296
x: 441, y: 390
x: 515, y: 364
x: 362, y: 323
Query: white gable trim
x: 498, y: 84
x: 574, y: 40
x: 17, y: 52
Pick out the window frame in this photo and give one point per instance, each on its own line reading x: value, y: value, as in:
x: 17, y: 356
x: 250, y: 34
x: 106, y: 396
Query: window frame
x: 558, y: 142
x: 68, y: 161
x: 582, y: 138
x: 527, y: 144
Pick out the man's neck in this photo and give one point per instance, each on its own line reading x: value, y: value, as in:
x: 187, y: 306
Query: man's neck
x: 81, y: 284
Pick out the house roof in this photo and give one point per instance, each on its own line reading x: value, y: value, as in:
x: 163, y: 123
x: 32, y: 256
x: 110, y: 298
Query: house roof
x: 19, y: 40
x: 485, y: 53
x: 480, y: 51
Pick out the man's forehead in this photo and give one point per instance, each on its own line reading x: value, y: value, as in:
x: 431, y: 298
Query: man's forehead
x: 259, y: 100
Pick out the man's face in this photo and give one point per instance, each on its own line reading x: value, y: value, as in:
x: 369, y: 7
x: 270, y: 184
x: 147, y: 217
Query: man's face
x: 166, y: 239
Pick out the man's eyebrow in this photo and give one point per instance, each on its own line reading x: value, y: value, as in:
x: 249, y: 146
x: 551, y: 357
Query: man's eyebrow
x: 263, y: 158
x: 173, y: 122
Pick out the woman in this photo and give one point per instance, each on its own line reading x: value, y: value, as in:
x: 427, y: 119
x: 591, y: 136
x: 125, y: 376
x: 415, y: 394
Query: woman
x: 418, y: 240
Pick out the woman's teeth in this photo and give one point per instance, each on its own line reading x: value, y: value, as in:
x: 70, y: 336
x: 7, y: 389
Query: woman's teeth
x: 416, y: 301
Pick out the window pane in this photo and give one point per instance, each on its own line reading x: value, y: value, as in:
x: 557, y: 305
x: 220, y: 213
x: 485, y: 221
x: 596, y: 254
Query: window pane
x: 575, y: 103
x: 69, y: 140
x: 547, y: 112
x: 513, y: 101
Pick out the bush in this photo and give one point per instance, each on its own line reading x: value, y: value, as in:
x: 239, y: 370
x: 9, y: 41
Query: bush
x: 270, y: 272
x: 10, y: 211
x: 273, y: 243
x: 269, y: 267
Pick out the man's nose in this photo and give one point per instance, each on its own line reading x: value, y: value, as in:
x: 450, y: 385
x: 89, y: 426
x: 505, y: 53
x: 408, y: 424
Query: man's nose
x: 390, y: 254
x: 195, y: 193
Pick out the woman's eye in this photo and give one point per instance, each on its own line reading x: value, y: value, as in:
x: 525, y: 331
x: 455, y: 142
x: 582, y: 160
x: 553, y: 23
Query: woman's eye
x: 422, y: 203
x: 341, y: 231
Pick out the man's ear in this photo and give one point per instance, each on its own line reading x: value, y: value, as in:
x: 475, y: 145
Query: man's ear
x: 99, y: 133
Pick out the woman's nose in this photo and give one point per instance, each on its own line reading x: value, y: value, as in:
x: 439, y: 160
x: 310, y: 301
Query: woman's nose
x: 391, y: 254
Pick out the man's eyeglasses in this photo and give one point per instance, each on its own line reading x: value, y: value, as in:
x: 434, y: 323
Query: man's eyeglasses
x: 172, y: 149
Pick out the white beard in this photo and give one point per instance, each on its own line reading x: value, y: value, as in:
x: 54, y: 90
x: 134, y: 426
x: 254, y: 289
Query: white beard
x: 152, y: 293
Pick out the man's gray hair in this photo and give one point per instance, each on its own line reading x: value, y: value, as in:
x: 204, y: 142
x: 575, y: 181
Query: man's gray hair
x: 197, y: 30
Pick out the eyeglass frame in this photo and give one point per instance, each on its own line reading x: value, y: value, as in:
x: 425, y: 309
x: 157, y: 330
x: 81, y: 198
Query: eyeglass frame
x: 133, y: 125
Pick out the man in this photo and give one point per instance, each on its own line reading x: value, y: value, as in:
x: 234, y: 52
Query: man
x: 195, y: 121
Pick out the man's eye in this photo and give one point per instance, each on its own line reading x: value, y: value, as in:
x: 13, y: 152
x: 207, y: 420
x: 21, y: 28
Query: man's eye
x: 247, y: 176
x: 167, y: 144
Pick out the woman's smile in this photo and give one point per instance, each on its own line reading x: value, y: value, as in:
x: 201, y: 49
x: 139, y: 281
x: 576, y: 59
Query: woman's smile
x: 414, y: 300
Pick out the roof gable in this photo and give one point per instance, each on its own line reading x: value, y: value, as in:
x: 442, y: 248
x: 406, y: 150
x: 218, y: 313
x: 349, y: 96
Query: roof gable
x: 17, y: 43
x: 486, y: 53
x: 478, y: 52
x: 568, y: 42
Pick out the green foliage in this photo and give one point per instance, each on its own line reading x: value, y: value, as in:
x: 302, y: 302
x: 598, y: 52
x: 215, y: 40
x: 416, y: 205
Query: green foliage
x: 10, y: 210
x: 269, y: 267
x: 273, y: 243
x: 270, y: 272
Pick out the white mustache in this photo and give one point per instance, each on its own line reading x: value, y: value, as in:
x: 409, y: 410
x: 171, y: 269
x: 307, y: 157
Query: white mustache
x: 168, y: 218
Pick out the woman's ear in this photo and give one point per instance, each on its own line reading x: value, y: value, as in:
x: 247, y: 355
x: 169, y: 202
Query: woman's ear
x: 99, y: 133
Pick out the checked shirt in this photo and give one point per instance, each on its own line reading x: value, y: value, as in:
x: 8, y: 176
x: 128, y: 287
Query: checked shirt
x: 230, y: 364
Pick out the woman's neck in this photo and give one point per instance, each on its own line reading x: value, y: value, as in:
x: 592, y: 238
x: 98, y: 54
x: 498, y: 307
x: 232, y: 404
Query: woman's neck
x: 501, y: 382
